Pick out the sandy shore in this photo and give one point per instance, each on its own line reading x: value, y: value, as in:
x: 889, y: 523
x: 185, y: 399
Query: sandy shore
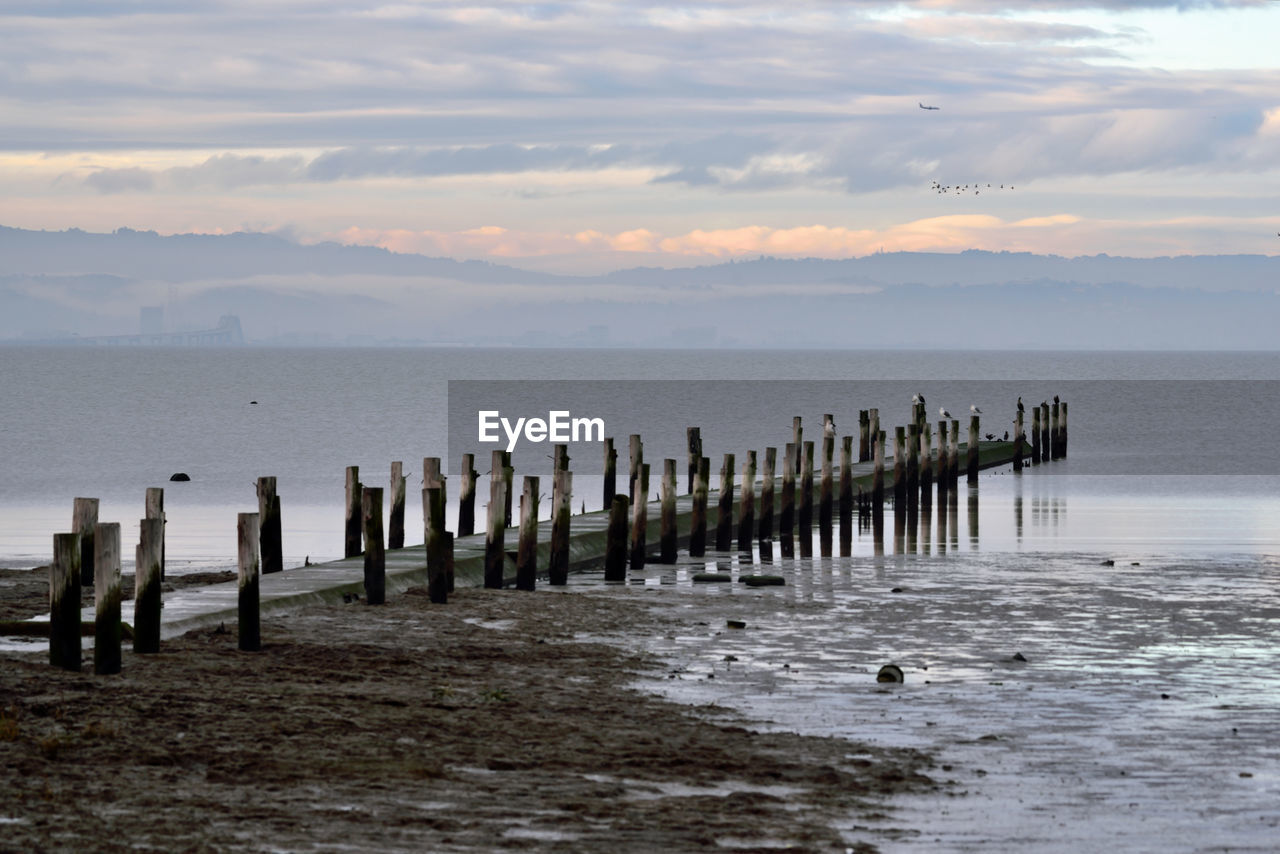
x: 479, y: 725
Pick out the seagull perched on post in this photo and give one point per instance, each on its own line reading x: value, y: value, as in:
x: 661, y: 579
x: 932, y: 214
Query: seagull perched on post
x: 942, y: 410
x: 974, y: 409
x: 1020, y: 409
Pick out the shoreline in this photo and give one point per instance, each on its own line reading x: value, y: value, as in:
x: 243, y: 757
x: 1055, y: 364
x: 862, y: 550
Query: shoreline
x: 501, y: 719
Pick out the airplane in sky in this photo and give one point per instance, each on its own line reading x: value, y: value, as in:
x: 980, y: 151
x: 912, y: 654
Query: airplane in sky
x: 923, y: 107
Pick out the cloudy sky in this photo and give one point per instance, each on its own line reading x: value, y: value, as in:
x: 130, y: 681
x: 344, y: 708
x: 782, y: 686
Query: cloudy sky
x: 596, y: 135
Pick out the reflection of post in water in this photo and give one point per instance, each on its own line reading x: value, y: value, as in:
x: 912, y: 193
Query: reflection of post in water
x: 899, y: 489
x: 942, y: 504
x: 1017, y: 511
x: 766, y: 551
x: 973, y: 518
x: 953, y: 516
x: 926, y: 523
x: 846, y: 496
x: 877, y: 527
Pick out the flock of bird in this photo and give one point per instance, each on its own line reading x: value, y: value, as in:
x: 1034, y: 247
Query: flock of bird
x: 975, y: 189
x: 973, y: 409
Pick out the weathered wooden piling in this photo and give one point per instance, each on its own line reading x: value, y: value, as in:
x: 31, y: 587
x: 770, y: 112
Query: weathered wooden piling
x: 353, y: 522
x: 764, y: 531
x: 640, y: 518
x: 804, y: 497
x: 698, y: 513
x: 864, y: 436
x: 610, y: 473
x: 494, y: 554
x: 943, y: 466
x: 615, y: 557
x: 146, y: 591
x: 561, y: 509
x: 953, y: 455
x: 448, y: 560
x: 154, y: 509
x: 508, y: 477
x: 972, y: 462
x: 667, y: 539
x: 1062, y: 439
x: 637, y: 460
x: 797, y: 438
x: 926, y: 467
x: 747, y: 504
x: 877, y: 476
x: 1054, y: 435
x: 467, y: 496
x: 559, y: 458
x: 527, y: 551
x: 270, y: 546
x: 433, y: 478
x: 693, y: 440
x: 248, y: 610
x: 913, y: 466
x: 1035, y: 435
x: 899, y: 469
x: 724, y: 524
x: 786, y: 517
x: 1018, y: 441
x: 375, y: 556
x: 84, y: 516
x: 437, y: 545
x: 395, y: 525
x: 1044, y: 432
x: 64, y: 602
x: 873, y: 424
x: 106, y: 598
x: 826, y: 486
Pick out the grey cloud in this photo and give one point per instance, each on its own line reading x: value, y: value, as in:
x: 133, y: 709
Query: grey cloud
x: 126, y: 180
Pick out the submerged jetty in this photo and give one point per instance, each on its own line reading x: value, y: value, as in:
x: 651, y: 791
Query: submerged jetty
x: 773, y: 505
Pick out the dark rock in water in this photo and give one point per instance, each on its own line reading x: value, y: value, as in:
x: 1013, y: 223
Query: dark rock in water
x: 1017, y: 656
x: 253, y: 403
x: 736, y: 624
x: 896, y: 590
x: 711, y: 577
x: 890, y: 673
x: 1108, y: 563
x: 1135, y: 563
x: 762, y: 580
x: 180, y: 476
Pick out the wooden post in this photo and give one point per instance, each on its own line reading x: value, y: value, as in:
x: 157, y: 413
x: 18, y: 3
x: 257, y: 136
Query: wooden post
x: 786, y: 518
x: 826, y: 488
x: 64, y: 602
x: 873, y: 425
x: 942, y: 467
x: 610, y: 473
x: 972, y: 466
x: 527, y: 552
x: 913, y: 466
x: 248, y: 614
x: 724, y: 525
x: 877, y: 477
x: 1054, y: 435
x: 797, y: 438
x: 864, y: 436
x: 146, y: 587
x: 1017, y: 442
x: 846, y: 495
x: 615, y: 558
x: 1044, y: 432
x: 953, y: 455
x: 561, y: 508
x: 668, y: 537
x: 560, y: 459
x: 354, y: 497
x: 467, y: 496
x: 747, y: 504
x: 1035, y: 435
x: 636, y: 449
x: 106, y: 599
x: 804, y: 503
x: 494, y: 556
x: 448, y: 561
x: 693, y: 438
x: 84, y: 516
x: 765, y: 528
x: 395, y: 525
x: 154, y: 509
x: 437, y: 545
x: 639, y: 517
x: 375, y: 556
x: 899, y: 469
x: 1062, y: 425
x: 270, y: 548
x: 926, y: 467
x: 698, y: 514
x: 508, y: 478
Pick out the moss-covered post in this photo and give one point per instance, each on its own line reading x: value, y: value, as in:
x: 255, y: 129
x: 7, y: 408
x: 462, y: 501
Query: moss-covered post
x: 527, y: 550
x: 724, y: 524
x: 765, y: 528
x: 667, y: 540
x: 437, y: 546
x: 64, y: 602
x: 248, y: 615
x: 106, y: 598
x: 84, y: 516
x: 693, y: 441
x: 610, y: 474
x: 146, y: 593
x: 395, y: 525
x: 375, y: 555
x: 494, y: 555
x: 615, y: 556
x: 698, y: 512
x: 747, y: 505
x: 270, y: 547
x: 467, y: 496
x: 355, y: 495
x: 561, y: 510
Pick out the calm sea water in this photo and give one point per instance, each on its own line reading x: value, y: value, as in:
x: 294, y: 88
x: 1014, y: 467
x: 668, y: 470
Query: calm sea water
x: 1143, y: 719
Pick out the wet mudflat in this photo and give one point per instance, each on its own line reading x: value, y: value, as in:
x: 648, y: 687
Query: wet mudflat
x: 493, y: 722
